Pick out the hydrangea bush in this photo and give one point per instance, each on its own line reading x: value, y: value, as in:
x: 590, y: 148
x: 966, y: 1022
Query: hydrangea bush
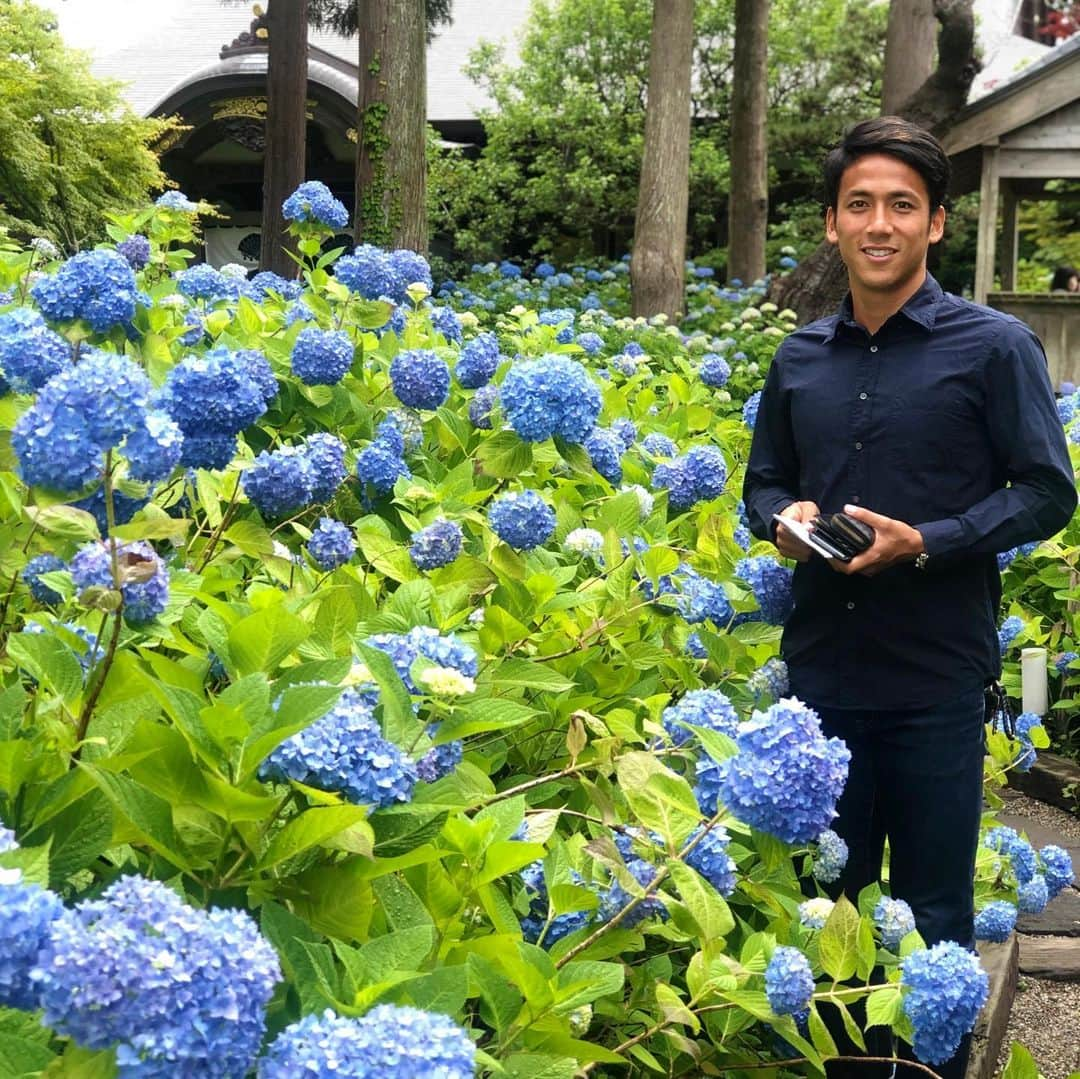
x: 389, y: 682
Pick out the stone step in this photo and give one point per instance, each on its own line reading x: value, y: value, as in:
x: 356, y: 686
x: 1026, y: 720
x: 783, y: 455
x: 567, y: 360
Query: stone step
x: 1061, y: 918
x: 1056, y: 958
x: 1000, y: 963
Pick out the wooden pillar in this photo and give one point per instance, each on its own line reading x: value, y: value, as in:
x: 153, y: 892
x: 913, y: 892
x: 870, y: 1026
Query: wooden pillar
x: 988, y: 206
x: 1009, y: 236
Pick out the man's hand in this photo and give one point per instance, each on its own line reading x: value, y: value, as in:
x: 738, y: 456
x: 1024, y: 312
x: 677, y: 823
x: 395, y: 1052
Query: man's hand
x: 787, y: 543
x: 894, y: 542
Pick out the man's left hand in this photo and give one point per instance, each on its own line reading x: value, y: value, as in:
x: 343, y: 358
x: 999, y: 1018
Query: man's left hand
x: 894, y: 542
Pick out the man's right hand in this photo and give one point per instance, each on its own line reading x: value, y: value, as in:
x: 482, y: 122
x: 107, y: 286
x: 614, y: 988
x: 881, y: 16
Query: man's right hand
x: 787, y: 543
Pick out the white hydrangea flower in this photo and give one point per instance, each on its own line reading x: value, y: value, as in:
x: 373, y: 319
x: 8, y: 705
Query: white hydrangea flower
x: 767, y: 308
x: 447, y: 682
x: 585, y: 541
x: 645, y: 499
x: 750, y: 313
x: 814, y: 913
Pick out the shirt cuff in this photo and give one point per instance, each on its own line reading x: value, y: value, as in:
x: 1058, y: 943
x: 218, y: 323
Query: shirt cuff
x: 941, y: 537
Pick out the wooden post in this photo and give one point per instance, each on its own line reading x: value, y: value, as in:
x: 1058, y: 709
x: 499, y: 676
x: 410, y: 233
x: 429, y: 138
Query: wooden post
x: 988, y: 205
x: 1009, y: 236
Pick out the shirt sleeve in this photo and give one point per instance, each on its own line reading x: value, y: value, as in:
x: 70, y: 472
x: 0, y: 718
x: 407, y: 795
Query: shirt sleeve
x: 1028, y: 443
x: 772, y: 473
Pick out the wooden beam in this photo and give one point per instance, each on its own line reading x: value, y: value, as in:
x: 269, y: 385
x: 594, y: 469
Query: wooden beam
x: 1008, y: 237
x: 988, y: 206
x: 1057, y: 164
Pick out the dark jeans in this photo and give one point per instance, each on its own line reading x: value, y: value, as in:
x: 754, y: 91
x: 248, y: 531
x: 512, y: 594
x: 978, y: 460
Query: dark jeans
x: 915, y: 778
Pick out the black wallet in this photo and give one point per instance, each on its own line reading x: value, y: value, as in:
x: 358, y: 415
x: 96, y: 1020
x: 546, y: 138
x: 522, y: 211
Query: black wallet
x: 842, y: 535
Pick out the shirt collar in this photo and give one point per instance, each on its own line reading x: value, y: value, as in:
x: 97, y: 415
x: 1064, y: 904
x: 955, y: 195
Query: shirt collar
x: 921, y: 308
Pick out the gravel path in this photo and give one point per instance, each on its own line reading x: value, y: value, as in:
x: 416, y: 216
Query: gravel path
x: 1045, y: 1019
x: 1023, y: 806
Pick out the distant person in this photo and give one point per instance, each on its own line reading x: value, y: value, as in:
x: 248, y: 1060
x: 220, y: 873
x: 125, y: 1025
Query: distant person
x: 1066, y: 279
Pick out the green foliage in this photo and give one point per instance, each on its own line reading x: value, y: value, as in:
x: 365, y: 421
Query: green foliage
x: 71, y: 150
x: 558, y: 175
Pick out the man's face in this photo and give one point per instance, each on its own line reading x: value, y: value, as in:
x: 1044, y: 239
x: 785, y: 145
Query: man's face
x: 883, y: 226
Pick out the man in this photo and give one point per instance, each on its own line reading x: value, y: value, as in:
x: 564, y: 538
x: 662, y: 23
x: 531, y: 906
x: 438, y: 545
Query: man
x: 932, y: 420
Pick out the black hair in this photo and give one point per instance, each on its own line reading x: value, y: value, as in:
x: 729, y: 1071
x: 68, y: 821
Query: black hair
x: 898, y: 138
x: 1062, y: 276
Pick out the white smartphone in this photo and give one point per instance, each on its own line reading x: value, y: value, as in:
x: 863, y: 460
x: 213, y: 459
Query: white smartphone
x: 798, y: 529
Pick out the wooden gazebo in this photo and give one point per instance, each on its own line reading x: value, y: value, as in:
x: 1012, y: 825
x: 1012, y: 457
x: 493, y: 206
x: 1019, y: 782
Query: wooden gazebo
x: 1009, y: 144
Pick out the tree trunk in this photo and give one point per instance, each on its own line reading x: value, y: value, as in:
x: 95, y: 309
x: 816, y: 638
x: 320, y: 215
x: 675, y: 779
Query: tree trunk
x: 817, y: 285
x: 748, y: 205
x: 286, y: 127
x: 391, y: 151
x: 909, y: 52
x: 658, y: 265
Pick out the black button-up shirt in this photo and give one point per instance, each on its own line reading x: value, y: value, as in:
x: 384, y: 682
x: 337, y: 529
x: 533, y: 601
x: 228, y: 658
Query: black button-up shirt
x: 944, y: 419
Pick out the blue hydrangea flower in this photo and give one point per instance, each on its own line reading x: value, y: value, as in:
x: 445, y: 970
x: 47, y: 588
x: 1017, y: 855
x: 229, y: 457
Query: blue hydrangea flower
x: 1033, y: 895
x: 31, y: 574
x: 8, y: 842
x: 786, y: 777
x: 711, y: 859
x: 30, y: 353
x: 176, y: 200
x: 714, y: 370
x: 178, y: 991
x: 345, y: 751
x: 1021, y: 854
x: 203, y: 282
x: 616, y: 897
x: 626, y: 431
x: 1005, y: 558
x: 894, y: 920
x: 369, y: 272
x: 522, y: 519
x: 484, y: 402
x: 440, y: 760
x: 1009, y: 631
x: 405, y: 427
x: 331, y: 544
x: 550, y: 396
x: 144, y: 578
x: 312, y: 201
x: 26, y: 912
x: 379, y: 466
x: 390, y: 1042
x: 742, y: 536
x: 1026, y: 722
x: 445, y: 321
x: 946, y: 989
x: 771, y: 679
x: 1066, y: 407
x: 410, y: 268
x: 605, y: 449
x: 478, y: 361
x: 136, y: 250
x: 556, y: 316
x: 544, y: 270
x: 535, y: 922
x: 676, y: 477
x: 592, y: 343
x: 218, y: 393
x: 326, y: 457
x: 321, y: 357
x: 124, y: 508
x: 659, y: 445
x: 404, y: 648
x: 436, y: 545
x: 695, y: 648
x: 708, y: 472
x: 279, y: 482
x: 154, y: 449
x: 420, y: 378
x: 1058, y: 868
x: 789, y: 982
x: 771, y: 584
x: 995, y: 921
x: 97, y: 286
x: 266, y: 283
x: 750, y: 409
x: 702, y: 708
x: 1062, y: 661
x: 207, y: 451
x: 832, y: 856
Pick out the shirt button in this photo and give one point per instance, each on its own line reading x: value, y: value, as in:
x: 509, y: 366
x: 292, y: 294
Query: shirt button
x: 858, y: 445
x: 854, y: 498
x: 873, y: 348
x: 862, y: 396
x: 850, y: 606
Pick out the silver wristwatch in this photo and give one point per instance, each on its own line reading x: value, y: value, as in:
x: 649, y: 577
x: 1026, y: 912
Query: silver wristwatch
x: 921, y: 559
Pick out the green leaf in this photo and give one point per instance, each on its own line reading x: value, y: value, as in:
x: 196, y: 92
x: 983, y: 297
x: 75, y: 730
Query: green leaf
x: 838, y: 945
x: 529, y: 675
x: 400, y: 905
x: 403, y: 950
x: 151, y: 815
x: 1021, y: 1064
x: 504, y: 455
x: 539, y: 1066
x: 503, y: 857
x: 707, y: 907
x: 33, y: 862
x: 819, y: 1035
x: 400, y: 724
x: 298, y: 707
x: 311, y: 828
x: 488, y: 714
x: 444, y: 990
x: 582, y: 981
x: 49, y: 661
x: 22, y: 1057
x: 64, y: 521
x: 76, y: 836
x: 884, y: 1006
x: 296, y: 942
x: 660, y: 800
x: 401, y: 829
x: 263, y: 639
